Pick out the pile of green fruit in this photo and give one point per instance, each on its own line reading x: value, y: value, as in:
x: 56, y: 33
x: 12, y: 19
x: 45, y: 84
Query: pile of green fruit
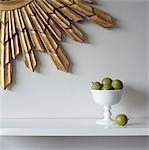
x: 107, y: 84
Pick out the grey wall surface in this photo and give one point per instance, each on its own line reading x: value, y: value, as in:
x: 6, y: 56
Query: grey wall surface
x: 75, y: 143
x: 119, y: 53
x: 148, y: 56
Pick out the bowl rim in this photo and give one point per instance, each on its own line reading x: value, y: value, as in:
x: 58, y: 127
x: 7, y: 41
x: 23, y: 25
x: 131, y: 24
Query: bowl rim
x: 119, y: 90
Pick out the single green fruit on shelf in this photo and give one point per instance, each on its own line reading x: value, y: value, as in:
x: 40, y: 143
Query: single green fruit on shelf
x: 107, y: 87
x: 96, y: 85
x: 117, y: 84
x: 106, y: 81
x: 121, y: 120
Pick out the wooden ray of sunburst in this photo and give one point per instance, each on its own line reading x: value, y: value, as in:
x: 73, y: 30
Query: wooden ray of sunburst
x: 36, y: 25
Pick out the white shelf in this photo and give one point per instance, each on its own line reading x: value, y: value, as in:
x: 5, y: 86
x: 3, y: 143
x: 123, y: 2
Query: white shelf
x: 70, y: 127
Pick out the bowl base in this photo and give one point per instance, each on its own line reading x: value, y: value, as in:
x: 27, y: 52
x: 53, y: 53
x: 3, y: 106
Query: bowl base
x: 105, y: 122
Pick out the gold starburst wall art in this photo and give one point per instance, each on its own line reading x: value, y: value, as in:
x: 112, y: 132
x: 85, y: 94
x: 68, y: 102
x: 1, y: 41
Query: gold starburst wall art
x: 28, y: 26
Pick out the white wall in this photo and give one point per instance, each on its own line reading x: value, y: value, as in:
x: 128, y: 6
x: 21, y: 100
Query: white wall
x: 148, y: 56
x: 49, y: 93
x: 118, y: 53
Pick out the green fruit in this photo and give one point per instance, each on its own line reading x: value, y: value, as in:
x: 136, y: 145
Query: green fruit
x: 106, y: 81
x: 96, y: 85
x: 106, y: 87
x: 121, y: 120
x: 117, y: 84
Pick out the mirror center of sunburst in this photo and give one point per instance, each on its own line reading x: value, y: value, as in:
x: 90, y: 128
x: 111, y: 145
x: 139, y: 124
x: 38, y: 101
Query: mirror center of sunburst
x: 10, y: 1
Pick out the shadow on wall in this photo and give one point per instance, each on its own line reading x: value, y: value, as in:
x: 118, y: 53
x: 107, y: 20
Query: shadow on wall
x: 74, y: 143
x: 135, y: 100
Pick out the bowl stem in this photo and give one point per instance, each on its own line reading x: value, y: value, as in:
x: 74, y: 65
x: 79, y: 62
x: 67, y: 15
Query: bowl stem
x: 107, y: 112
x: 107, y: 117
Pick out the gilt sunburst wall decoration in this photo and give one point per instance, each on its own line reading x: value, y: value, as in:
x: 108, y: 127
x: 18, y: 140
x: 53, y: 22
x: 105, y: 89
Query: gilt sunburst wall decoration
x: 27, y: 26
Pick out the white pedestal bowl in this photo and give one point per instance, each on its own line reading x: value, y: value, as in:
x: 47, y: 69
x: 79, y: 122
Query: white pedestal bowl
x: 106, y: 98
